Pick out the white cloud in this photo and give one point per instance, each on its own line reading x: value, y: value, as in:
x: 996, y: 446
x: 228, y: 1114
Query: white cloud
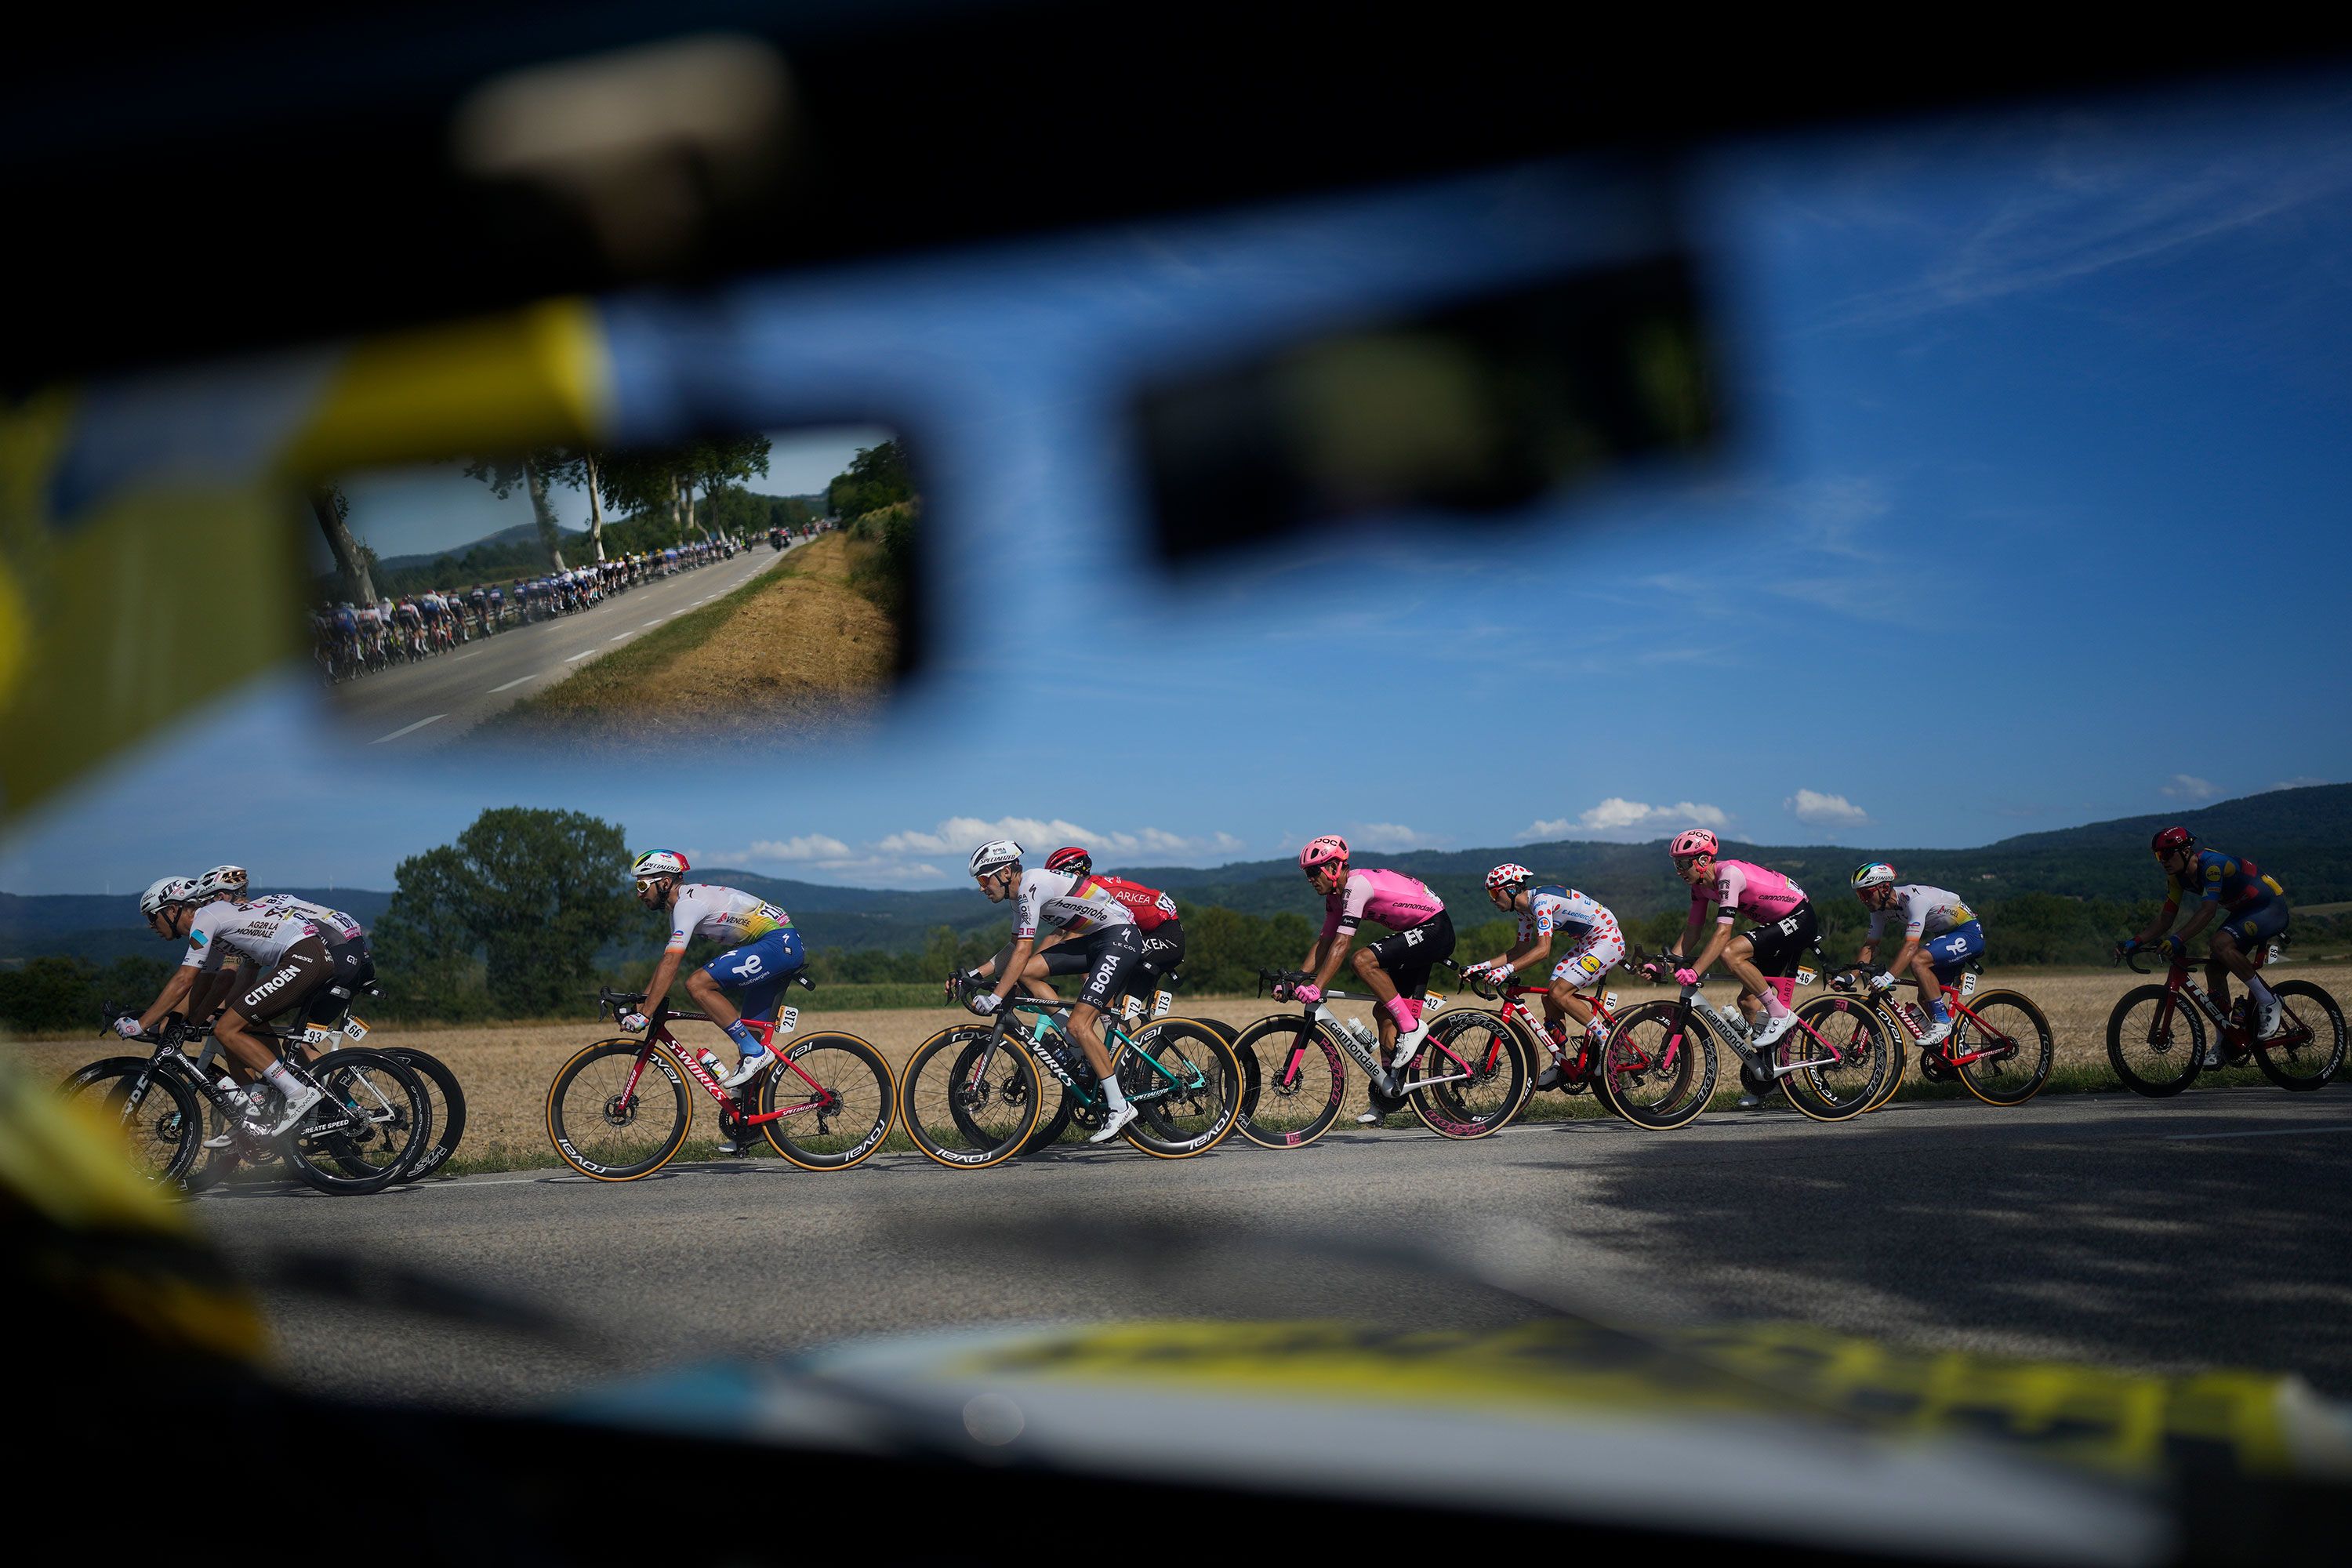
x: 963, y: 835
x: 806, y: 847
x: 1390, y: 836
x: 2185, y: 786
x: 1830, y: 810
x: 1618, y: 816
x: 2298, y: 782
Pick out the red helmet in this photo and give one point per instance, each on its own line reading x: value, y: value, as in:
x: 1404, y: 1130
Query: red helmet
x: 1690, y: 841
x: 1319, y: 851
x: 1070, y: 859
x: 2171, y: 839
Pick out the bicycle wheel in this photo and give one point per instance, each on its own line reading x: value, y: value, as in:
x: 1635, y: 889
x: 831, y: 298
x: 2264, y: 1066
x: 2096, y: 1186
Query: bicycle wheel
x: 1183, y: 1079
x: 446, y: 1098
x: 2156, y: 1042
x: 616, y: 1118
x: 2016, y: 1039
x: 2309, y: 1044
x: 1896, y: 1041
x: 1838, y: 1050
x: 965, y: 1104
x: 836, y: 1099
x: 1658, y: 1067
x: 163, y: 1134
x: 1301, y: 1079
x: 368, y: 1129
x: 1470, y: 1076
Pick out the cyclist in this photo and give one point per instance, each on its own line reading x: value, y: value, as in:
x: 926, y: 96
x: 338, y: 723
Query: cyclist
x: 1595, y: 947
x: 410, y: 621
x: 1396, y: 967
x: 1784, y: 930
x: 763, y: 953
x: 2251, y: 910
x: 1063, y: 952
x: 286, y: 952
x: 1082, y: 907
x: 1940, y: 934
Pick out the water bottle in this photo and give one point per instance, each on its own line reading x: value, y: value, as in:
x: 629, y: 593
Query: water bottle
x: 712, y: 1065
x: 1364, y: 1035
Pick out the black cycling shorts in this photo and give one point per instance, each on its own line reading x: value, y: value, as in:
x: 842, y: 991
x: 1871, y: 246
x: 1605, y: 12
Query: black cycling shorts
x: 1117, y: 964
x: 353, y: 969
x: 1406, y: 957
x: 1783, y: 945
x: 302, y: 971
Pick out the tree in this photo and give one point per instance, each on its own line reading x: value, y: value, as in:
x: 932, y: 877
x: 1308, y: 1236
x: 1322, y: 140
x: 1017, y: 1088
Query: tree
x: 529, y: 895
x: 581, y: 469
x: 876, y: 476
x: 502, y: 474
x: 353, y: 559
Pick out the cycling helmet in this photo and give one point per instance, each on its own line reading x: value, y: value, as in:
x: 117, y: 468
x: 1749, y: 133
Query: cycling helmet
x: 1510, y: 874
x: 1070, y: 859
x: 1691, y: 842
x: 1878, y: 874
x: 1319, y: 851
x: 164, y: 892
x: 658, y: 863
x: 2171, y: 839
x: 221, y: 879
x: 995, y: 853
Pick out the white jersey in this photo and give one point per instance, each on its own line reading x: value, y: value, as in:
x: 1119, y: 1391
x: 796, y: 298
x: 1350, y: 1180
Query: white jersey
x: 333, y: 924
x: 1067, y: 903
x: 248, y: 931
x: 1925, y: 911
x: 1562, y: 909
x: 730, y: 915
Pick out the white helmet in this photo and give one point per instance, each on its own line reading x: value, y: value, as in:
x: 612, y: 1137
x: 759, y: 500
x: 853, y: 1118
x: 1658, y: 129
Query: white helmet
x: 658, y: 863
x: 995, y: 853
x: 163, y: 891
x: 229, y: 880
x: 1878, y: 874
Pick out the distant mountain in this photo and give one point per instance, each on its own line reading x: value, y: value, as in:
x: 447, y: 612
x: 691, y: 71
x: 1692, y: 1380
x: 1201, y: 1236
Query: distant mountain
x: 2301, y: 835
x: 525, y: 533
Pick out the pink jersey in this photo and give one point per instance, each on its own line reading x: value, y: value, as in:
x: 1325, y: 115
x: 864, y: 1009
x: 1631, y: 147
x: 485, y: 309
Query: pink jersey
x: 1749, y: 889
x: 1384, y: 898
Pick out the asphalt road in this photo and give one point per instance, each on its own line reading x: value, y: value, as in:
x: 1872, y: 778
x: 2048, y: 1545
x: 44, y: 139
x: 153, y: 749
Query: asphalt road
x: 415, y: 705
x: 2210, y: 1230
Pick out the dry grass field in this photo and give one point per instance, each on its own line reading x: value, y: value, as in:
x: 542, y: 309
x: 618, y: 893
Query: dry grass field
x: 800, y: 650
x: 506, y: 1069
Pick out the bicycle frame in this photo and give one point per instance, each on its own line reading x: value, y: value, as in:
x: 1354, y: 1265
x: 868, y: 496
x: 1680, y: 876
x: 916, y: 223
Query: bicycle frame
x: 170, y: 1059
x: 658, y: 1037
x: 1051, y: 1061
x: 2234, y: 1038
x: 1581, y: 1068
x: 1883, y: 1005
x: 1335, y: 1028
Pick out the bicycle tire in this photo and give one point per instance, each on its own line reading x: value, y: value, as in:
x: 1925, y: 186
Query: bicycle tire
x: 163, y: 1155
x: 943, y: 1102
x: 1650, y: 1078
x: 1896, y: 1040
x: 2303, y: 1005
x: 384, y: 1092
x: 2132, y: 1048
x: 2014, y: 1078
x: 864, y: 1098
x: 590, y: 1139
x: 448, y: 1098
x: 1845, y: 1070
x: 1181, y: 1123
x: 1289, y: 1115
x: 1486, y: 1102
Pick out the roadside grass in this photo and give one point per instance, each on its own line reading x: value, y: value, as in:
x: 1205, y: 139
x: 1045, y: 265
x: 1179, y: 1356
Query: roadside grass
x: 798, y: 649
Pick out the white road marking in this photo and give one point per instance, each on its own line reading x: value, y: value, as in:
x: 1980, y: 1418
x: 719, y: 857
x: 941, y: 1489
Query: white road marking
x: 2263, y: 1132
x: 655, y: 622
x: 518, y: 680
x: 584, y: 653
x: 623, y: 637
x: 407, y: 729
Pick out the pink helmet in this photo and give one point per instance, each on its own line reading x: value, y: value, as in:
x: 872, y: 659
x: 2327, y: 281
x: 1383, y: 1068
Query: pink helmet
x: 1510, y: 874
x: 1690, y: 841
x: 1319, y: 851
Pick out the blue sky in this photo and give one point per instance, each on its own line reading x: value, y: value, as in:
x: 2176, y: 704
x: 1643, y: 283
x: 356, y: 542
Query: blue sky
x: 2036, y: 515
x: 408, y: 512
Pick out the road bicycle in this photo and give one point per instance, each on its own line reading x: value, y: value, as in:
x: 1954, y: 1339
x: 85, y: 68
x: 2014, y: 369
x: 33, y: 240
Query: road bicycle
x: 619, y: 1110
x: 1135, y: 1014
x: 1645, y: 1075
x: 372, y: 1119
x: 973, y: 1095
x: 2157, y: 1045
x: 1828, y: 1075
x: 2000, y: 1049
x: 1294, y: 1072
